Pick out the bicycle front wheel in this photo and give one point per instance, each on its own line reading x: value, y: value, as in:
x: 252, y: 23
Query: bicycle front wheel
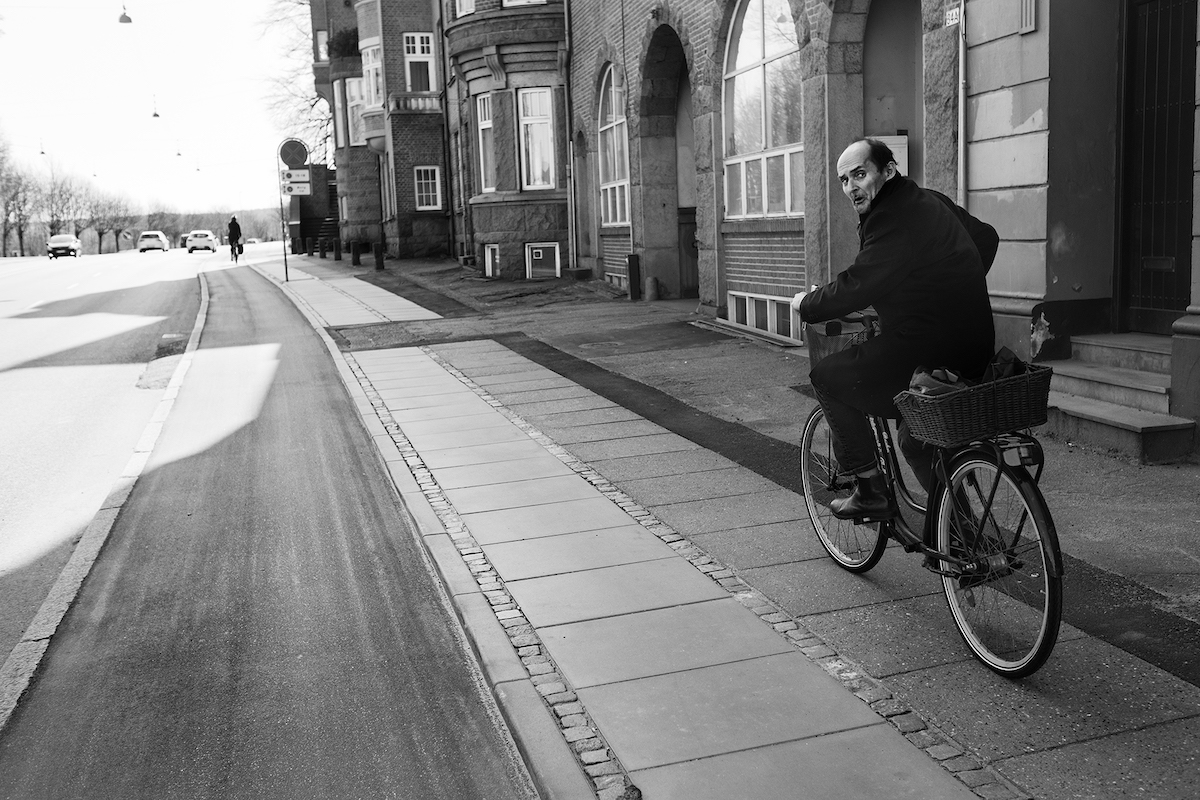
x: 1007, y: 600
x: 856, y: 548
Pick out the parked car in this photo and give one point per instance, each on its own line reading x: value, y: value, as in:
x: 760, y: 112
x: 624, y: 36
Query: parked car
x: 202, y: 240
x: 252, y: 240
x: 152, y: 240
x: 64, y: 244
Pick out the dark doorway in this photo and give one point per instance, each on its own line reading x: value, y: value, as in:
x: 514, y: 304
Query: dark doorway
x: 1160, y: 102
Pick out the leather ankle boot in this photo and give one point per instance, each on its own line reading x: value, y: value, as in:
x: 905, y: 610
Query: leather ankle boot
x: 871, y: 499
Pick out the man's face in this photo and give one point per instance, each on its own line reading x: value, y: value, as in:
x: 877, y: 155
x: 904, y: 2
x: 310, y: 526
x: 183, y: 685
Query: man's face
x: 861, y: 179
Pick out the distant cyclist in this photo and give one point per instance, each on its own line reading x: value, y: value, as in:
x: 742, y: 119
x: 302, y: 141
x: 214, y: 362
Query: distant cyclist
x: 234, y: 237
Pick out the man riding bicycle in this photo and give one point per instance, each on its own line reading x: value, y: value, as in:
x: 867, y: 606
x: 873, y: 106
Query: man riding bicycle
x: 234, y: 235
x: 921, y: 265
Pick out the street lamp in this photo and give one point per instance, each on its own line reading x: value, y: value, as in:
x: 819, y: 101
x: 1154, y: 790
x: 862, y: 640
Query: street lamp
x: 124, y: 16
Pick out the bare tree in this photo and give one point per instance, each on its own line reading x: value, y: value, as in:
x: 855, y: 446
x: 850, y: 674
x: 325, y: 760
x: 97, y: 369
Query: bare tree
x: 63, y: 202
x: 20, y: 197
x: 111, y: 213
x: 293, y: 102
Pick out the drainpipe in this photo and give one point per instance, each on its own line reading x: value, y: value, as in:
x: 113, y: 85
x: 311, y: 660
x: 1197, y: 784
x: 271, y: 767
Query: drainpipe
x: 444, y: 96
x: 962, y: 104
x: 572, y: 261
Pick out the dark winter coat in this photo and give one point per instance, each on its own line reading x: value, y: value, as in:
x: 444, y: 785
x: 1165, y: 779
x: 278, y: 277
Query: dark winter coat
x: 235, y: 231
x: 921, y: 266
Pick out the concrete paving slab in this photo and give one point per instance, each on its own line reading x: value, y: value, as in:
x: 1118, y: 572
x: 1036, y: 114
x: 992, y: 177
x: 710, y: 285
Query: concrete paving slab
x: 471, y: 437
x: 1161, y: 761
x: 572, y: 552
x: 515, y: 394
x: 652, y: 722
x: 484, y: 419
x: 520, y: 494
x: 819, y: 586
x: 392, y: 380
x: 658, y: 642
x: 1086, y: 690
x: 527, y: 408
x: 499, y: 472
x: 609, y: 591
x: 565, y: 422
x: 731, y: 483
x: 482, y: 454
x: 464, y: 405
x: 762, y: 545
x: 702, y: 516
x: 404, y: 390
x: 606, y: 431
x: 676, y: 462
x: 637, y: 446
x: 513, y: 524
x: 402, y: 403
x: 872, y: 762
x: 539, y: 378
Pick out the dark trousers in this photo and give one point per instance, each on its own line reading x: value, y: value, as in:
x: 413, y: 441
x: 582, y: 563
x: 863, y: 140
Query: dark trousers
x: 861, y: 381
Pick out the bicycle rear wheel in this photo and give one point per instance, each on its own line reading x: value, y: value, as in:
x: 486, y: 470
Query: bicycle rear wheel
x: 856, y: 548
x: 1008, y: 603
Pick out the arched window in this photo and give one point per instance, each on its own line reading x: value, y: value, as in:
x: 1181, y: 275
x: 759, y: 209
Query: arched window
x: 614, y: 151
x: 764, y: 142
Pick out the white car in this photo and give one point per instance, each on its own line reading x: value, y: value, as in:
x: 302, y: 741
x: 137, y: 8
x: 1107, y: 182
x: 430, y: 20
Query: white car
x: 152, y: 240
x: 202, y: 240
x: 64, y: 244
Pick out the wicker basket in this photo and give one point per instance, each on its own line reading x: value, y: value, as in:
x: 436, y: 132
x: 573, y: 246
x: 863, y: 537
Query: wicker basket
x: 954, y: 419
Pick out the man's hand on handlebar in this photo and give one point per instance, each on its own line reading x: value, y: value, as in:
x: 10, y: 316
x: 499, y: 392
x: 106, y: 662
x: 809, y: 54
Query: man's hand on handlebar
x: 799, y: 298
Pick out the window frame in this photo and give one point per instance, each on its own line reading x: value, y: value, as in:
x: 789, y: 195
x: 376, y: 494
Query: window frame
x: 418, y: 49
x: 614, y: 189
x: 418, y: 181
x: 751, y: 323
x: 463, y: 7
x: 356, y: 132
x: 740, y: 168
x: 487, y: 146
x: 491, y: 266
x: 374, y: 93
x: 526, y: 125
x: 510, y: 3
x: 340, y: 136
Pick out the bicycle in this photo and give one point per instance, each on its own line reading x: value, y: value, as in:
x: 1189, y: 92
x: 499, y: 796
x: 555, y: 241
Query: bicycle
x: 985, y: 528
x: 234, y: 247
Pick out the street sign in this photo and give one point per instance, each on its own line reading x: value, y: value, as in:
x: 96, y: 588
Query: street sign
x: 295, y: 176
x: 293, y: 152
x: 297, y: 188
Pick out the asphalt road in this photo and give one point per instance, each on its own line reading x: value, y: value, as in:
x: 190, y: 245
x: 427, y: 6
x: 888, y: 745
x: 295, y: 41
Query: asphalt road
x: 261, y: 622
x: 76, y: 339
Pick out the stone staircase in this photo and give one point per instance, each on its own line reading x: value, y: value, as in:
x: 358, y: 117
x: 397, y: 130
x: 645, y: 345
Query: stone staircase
x: 1114, y: 392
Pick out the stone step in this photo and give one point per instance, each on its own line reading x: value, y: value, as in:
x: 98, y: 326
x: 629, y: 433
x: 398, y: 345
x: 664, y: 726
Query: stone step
x: 1137, y: 351
x: 1148, y: 391
x: 1145, y: 436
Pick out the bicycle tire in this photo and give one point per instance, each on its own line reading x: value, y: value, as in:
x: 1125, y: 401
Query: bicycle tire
x: 1009, y: 610
x: 855, y: 548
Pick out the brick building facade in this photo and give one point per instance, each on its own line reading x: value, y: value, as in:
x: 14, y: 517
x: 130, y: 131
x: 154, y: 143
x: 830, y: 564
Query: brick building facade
x: 694, y: 140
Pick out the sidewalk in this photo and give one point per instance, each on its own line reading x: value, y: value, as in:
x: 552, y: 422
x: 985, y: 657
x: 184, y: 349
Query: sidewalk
x: 692, y: 694
x: 569, y: 530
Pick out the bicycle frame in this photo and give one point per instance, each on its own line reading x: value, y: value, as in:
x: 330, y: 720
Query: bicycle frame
x: 1025, y: 452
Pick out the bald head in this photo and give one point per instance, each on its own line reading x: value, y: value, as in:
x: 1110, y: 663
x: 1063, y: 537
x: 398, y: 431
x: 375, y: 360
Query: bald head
x: 863, y: 168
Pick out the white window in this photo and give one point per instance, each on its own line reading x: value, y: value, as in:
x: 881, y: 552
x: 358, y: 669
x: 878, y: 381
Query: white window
x: 354, y: 108
x: 508, y: 3
x: 339, y: 114
x: 614, y: 151
x: 372, y: 65
x: 322, y: 45
x: 487, y: 144
x: 464, y: 7
x: 418, y: 61
x: 541, y: 260
x: 765, y: 314
x: 389, y: 186
x: 428, y: 184
x: 537, y: 138
x: 491, y: 260
x: 764, y: 143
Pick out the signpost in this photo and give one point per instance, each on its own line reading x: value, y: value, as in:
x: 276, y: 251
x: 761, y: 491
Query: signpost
x: 294, y: 182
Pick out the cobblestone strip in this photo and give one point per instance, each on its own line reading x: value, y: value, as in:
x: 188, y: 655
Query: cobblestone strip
x: 971, y: 770
x: 609, y: 778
